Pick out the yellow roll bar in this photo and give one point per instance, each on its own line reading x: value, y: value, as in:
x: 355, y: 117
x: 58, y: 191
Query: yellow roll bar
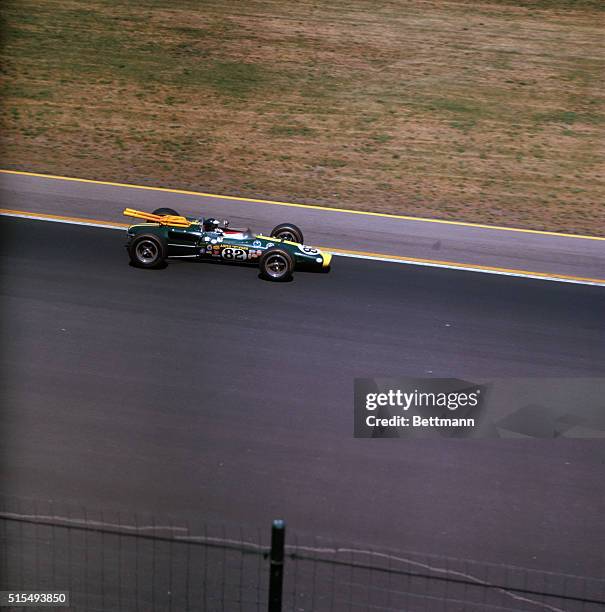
x: 172, y: 220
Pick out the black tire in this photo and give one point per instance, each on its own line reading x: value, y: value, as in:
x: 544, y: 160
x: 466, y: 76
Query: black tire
x: 166, y: 211
x: 147, y: 251
x: 276, y: 265
x: 288, y: 231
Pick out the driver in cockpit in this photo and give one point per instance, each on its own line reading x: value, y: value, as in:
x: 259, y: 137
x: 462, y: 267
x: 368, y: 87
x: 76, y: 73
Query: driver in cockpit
x: 214, y: 225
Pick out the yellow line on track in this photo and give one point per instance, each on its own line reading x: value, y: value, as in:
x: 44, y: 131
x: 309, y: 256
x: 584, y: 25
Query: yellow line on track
x: 464, y: 266
x: 45, y: 216
x: 363, y: 254
x: 310, y: 206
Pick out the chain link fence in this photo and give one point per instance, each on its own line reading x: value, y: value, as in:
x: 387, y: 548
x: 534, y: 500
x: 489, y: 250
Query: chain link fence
x: 322, y: 576
x: 116, y: 561
x: 125, y: 562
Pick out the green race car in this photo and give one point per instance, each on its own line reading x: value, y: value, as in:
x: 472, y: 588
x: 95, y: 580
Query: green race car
x: 166, y: 234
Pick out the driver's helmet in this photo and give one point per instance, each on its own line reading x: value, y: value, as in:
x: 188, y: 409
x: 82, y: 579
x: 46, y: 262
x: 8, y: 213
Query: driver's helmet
x: 213, y: 225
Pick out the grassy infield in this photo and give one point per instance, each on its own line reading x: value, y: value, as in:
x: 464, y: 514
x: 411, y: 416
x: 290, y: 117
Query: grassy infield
x: 488, y: 112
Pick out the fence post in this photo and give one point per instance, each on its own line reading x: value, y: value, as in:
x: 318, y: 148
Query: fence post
x: 276, y: 575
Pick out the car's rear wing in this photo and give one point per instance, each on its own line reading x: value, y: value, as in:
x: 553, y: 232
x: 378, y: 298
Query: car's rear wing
x: 173, y: 220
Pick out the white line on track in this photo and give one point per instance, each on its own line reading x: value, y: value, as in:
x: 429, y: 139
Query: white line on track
x: 19, y: 215
x: 470, y: 268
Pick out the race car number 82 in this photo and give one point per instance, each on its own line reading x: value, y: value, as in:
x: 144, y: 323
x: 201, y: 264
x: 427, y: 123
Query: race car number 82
x: 229, y: 253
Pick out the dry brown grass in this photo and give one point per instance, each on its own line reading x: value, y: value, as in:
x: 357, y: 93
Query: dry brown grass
x: 486, y: 112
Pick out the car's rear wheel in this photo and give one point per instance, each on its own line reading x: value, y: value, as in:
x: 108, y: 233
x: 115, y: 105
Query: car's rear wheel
x: 276, y: 265
x: 147, y: 251
x: 166, y: 211
x: 288, y: 231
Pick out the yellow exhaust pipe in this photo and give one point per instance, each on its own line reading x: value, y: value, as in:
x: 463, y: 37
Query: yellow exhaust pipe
x: 172, y: 220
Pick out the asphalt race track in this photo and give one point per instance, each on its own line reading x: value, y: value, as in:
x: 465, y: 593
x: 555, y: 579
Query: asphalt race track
x: 201, y: 390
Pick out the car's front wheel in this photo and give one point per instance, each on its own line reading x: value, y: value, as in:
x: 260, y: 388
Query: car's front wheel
x: 288, y: 231
x: 147, y: 251
x: 276, y: 265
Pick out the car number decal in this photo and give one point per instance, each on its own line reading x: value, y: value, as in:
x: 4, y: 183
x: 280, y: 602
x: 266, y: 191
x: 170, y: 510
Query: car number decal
x: 231, y: 253
x: 309, y: 250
